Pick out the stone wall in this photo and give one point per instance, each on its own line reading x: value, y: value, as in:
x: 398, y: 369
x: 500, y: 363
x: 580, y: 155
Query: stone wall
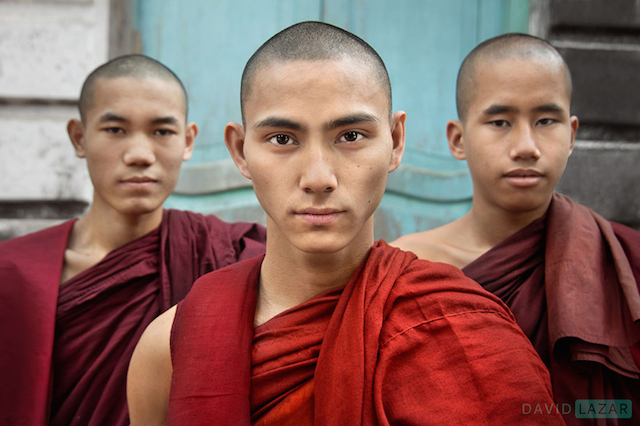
x: 47, y: 48
x: 600, y: 40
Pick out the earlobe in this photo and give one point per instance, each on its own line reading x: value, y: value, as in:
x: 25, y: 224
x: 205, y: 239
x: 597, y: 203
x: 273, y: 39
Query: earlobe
x: 398, y: 137
x: 574, y: 131
x: 190, y: 136
x: 234, y: 139
x: 455, y: 139
x: 75, y: 129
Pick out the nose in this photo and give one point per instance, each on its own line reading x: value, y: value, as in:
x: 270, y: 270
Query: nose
x: 318, y: 173
x: 524, y: 145
x: 139, y: 152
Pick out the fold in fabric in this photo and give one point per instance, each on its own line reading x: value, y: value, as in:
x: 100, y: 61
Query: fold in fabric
x: 69, y: 346
x: 406, y: 341
x: 571, y: 280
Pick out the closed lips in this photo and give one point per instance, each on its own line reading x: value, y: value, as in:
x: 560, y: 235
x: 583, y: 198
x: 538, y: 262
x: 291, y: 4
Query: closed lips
x: 523, y: 173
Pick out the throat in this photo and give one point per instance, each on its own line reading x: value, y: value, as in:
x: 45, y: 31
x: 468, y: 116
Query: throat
x: 76, y: 262
x: 100, y: 232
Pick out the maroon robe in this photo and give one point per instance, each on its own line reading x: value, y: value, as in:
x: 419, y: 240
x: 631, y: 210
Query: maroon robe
x: 571, y: 280
x: 65, y: 349
x: 406, y: 341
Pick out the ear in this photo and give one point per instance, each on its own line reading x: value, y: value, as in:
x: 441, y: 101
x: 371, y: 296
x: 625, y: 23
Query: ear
x: 574, y: 129
x: 190, y: 137
x: 75, y: 129
x: 398, y: 137
x: 456, y: 139
x: 234, y: 139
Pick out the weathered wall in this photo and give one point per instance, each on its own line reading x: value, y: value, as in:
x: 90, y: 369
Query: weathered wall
x: 47, y: 48
x: 600, y: 40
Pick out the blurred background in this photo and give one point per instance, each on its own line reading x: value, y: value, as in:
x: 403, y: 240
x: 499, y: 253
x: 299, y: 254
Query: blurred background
x: 48, y: 47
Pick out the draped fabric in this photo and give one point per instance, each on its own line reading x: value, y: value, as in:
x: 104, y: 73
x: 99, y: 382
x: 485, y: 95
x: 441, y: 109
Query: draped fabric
x: 30, y: 270
x: 571, y: 280
x: 406, y: 341
x: 284, y: 357
x: 67, y: 353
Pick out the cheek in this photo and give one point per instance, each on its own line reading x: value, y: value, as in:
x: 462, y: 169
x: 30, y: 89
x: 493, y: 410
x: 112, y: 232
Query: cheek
x: 367, y: 181
x: 170, y: 158
x: 268, y: 181
x: 102, y: 167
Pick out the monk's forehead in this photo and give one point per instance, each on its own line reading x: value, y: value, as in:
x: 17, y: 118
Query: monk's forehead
x: 519, y: 51
x: 105, y: 87
x: 350, y: 74
x: 486, y: 68
x: 355, y: 69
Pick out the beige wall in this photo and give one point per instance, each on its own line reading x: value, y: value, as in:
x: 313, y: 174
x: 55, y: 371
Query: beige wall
x: 47, y: 48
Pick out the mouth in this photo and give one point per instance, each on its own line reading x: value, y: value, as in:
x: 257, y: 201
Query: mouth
x: 319, y: 216
x: 138, y: 182
x: 523, y: 177
x: 139, y: 179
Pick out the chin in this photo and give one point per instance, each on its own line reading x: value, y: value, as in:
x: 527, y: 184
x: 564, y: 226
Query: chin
x: 139, y: 208
x: 525, y: 204
x: 320, y: 244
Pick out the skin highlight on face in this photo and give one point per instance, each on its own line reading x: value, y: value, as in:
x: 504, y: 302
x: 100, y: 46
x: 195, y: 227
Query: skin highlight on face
x: 134, y: 138
x: 517, y: 134
x: 318, y: 145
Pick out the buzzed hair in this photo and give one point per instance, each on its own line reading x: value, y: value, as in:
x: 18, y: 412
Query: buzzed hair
x: 309, y: 41
x: 136, y: 66
x: 512, y: 45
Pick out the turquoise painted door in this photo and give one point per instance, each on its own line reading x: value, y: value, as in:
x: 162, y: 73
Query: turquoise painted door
x: 422, y: 42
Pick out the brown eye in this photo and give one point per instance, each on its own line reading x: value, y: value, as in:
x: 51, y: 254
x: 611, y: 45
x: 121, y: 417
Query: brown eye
x: 163, y: 132
x: 281, y: 140
x: 351, y: 137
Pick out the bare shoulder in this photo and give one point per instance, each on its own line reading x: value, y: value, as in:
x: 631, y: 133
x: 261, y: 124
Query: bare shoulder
x: 437, y: 245
x: 159, y: 331
x: 150, y: 370
x: 420, y: 243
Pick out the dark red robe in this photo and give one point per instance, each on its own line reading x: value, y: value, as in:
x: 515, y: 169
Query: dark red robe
x: 65, y: 349
x: 406, y: 341
x: 571, y: 280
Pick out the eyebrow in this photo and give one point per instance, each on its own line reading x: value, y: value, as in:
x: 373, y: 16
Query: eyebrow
x: 549, y: 108
x: 351, y: 120
x: 166, y: 120
x: 501, y: 109
x: 279, y: 122
x: 112, y: 117
x: 331, y: 125
x: 109, y: 116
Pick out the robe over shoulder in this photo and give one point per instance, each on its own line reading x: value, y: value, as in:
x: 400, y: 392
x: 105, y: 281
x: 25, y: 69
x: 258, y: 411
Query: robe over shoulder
x: 571, y: 280
x: 406, y: 341
x: 66, y: 348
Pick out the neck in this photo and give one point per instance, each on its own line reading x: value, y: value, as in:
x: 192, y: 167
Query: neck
x: 103, y: 230
x: 492, y: 224
x: 289, y: 277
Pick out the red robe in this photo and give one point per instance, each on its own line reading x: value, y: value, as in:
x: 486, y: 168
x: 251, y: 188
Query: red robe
x: 406, y: 341
x: 66, y: 348
x: 571, y: 280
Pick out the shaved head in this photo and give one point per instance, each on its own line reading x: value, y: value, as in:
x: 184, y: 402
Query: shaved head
x: 136, y: 66
x: 505, y: 47
x: 312, y: 41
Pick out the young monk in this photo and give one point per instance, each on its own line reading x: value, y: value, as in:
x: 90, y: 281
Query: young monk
x: 566, y: 273
x: 75, y: 298
x: 329, y: 327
